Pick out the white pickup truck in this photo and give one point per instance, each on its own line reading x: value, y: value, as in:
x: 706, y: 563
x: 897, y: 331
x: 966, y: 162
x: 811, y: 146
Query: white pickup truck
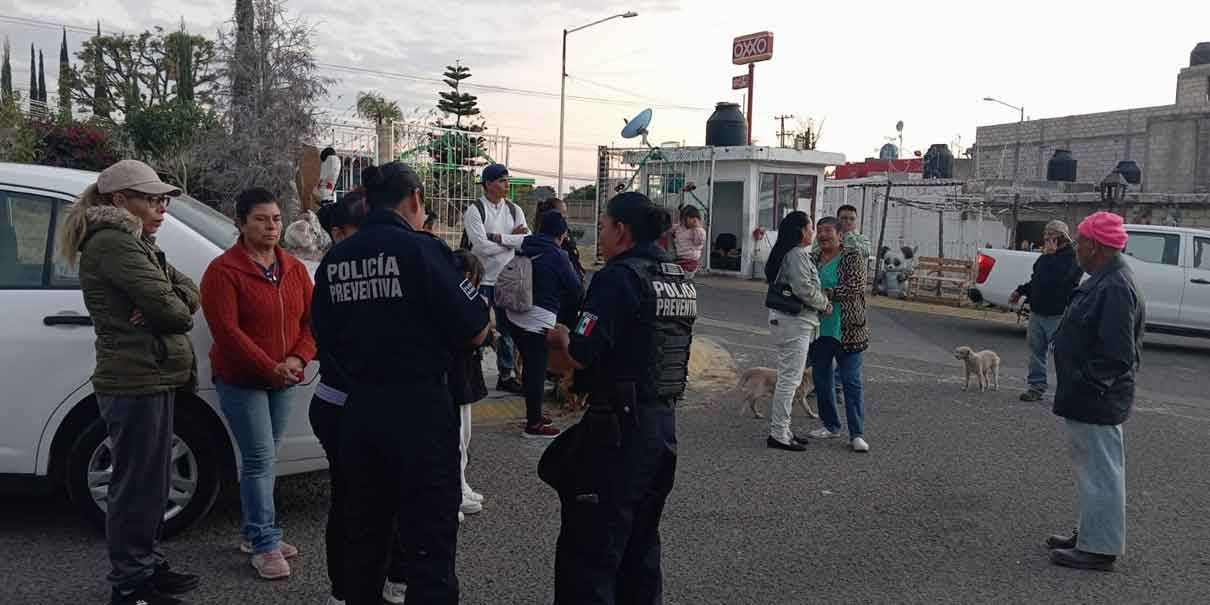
x: 1171, y: 267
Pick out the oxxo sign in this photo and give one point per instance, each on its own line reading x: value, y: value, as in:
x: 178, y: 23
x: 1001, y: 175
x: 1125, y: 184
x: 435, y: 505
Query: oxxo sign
x: 752, y: 48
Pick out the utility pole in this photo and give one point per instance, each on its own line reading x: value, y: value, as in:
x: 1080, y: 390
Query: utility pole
x: 781, y: 135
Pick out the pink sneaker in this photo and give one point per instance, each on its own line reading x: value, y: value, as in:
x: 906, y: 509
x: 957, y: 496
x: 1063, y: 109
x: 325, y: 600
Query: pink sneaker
x: 271, y: 565
x: 287, y: 550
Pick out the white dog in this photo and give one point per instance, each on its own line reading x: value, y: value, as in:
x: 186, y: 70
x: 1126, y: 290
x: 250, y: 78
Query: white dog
x: 984, y: 364
x: 759, y: 383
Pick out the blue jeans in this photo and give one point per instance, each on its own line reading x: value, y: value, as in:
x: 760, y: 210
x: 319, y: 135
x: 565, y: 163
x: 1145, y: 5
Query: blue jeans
x: 1041, y: 338
x: 823, y: 351
x: 257, y: 418
x: 1099, y: 455
x: 504, y: 345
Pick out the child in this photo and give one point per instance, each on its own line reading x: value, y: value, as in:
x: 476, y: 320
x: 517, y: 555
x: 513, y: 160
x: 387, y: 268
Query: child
x: 467, y: 385
x: 688, y: 240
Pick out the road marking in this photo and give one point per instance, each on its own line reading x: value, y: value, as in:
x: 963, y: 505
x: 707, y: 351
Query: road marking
x: 730, y: 325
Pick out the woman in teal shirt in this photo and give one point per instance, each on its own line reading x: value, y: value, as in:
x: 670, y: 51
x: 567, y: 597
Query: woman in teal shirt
x: 843, y: 335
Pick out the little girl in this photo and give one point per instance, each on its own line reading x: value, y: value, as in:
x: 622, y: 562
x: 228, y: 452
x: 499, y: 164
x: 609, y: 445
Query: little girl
x: 467, y: 385
x: 688, y: 240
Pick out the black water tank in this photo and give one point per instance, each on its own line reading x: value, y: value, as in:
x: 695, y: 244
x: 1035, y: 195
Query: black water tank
x: 1129, y: 169
x: 888, y: 152
x: 1061, y: 167
x: 1200, y: 54
x: 726, y: 126
x: 939, y: 162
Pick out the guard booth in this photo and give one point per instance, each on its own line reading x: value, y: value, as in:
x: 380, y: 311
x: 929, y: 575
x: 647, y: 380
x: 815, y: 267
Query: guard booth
x: 743, y: 193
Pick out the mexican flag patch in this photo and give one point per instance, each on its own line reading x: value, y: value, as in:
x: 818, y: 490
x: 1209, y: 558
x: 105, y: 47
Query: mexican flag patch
x: 587, y: 322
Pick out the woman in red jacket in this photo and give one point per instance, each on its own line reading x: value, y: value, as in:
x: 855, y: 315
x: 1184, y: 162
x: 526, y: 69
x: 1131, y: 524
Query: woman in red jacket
x: 257, y: 300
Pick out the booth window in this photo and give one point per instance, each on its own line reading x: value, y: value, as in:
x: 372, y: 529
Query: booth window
x: 781, y: 194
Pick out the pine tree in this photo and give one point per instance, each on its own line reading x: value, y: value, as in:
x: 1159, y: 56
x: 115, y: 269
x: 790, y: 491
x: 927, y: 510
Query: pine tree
x: 33, y: 83
x: 184, y: 67
x: 457, y: 103
x: 245, y: 57
x: 42, y: 83
x: 100, y: 92
x: 65, y: 81
x: 6, y: 75
x: 133, y: 101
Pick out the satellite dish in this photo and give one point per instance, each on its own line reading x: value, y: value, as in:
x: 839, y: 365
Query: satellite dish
x: 899, y: 126
x: 638, y: 126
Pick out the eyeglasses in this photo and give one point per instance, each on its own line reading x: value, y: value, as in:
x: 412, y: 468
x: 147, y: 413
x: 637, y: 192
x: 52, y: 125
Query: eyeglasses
x: 152, y: 200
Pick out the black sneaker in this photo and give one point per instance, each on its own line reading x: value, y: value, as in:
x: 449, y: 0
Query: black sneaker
x: 799, y: 440
x: 1031, y: 395
x: 145, y: 594
x: 172, y: 583
x: 509, y: 385
x: 793, y: 446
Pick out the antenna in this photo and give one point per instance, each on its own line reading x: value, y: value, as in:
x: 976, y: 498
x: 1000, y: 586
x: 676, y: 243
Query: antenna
x: 637, y: 126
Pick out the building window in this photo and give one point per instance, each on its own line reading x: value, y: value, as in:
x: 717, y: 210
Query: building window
x: 781, y: 194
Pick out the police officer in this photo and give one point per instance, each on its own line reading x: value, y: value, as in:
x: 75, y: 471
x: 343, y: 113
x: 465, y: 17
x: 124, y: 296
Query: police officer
x: 614, y: 469
x: 389, y: 307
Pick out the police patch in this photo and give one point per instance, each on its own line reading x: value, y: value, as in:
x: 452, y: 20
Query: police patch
x: 469, y: 289
x: 587, y: 322
x: 671, y: 269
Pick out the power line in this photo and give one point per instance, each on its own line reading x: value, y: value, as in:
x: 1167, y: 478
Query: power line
x: 54, y: 26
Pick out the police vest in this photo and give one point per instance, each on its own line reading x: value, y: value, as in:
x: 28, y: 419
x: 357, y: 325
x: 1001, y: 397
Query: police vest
x: 667, y: 310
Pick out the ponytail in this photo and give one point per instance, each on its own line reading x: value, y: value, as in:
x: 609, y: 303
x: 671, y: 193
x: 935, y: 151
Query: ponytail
x: 75, y: 226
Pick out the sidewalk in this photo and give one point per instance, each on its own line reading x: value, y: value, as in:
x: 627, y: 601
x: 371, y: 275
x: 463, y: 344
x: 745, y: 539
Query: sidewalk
x: 982, y: 314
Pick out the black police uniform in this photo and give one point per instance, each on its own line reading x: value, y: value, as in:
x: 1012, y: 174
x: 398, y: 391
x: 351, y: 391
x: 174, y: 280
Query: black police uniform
x: 390, y: 306
x: 614, y: 469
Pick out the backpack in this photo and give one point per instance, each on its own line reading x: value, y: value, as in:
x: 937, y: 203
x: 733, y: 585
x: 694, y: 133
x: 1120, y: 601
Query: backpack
x: 465, y: 244
x: 515, y: 285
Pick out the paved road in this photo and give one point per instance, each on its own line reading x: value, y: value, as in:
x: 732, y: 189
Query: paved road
x: 950, y: 506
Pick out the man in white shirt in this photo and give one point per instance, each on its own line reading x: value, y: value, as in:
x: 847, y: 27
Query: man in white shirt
x: 495, y: 228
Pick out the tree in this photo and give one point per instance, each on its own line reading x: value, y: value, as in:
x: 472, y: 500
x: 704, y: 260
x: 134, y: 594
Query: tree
x: 587, y: 192
x: 6, y: 75
x: 372, y: 106
x: 65, y: 84
x: 100, y: 85
x: 184, y: 65
x: 265, y: 126
x: 42, y: 81
x: 34, y: 110
x: 457, y: 103
x: 114, y: 66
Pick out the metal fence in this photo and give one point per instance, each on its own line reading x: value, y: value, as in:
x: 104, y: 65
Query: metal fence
x: 355, y: 143
x: 449, y: 163
x: 670, y: 177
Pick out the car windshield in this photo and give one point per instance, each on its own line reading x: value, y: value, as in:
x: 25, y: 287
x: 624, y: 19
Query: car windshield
x: 208, y: 222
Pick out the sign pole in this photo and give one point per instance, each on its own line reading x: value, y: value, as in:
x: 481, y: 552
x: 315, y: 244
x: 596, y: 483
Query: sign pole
x: 751, y: 85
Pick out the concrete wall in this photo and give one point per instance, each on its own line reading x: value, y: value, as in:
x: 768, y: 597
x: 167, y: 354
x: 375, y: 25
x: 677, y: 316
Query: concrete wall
x: 1193, y: 89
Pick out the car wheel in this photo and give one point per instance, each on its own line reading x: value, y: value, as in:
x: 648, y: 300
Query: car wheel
x: 193, y: 484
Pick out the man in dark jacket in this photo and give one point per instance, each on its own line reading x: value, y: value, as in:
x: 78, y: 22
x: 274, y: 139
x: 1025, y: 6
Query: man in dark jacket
x: 1055, y: 275
x: 1096, y: 354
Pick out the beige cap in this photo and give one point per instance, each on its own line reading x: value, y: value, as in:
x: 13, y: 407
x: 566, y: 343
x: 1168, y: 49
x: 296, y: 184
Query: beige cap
x: 133, y: 175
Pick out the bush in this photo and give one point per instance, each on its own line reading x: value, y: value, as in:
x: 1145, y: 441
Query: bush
x: 79, y: 145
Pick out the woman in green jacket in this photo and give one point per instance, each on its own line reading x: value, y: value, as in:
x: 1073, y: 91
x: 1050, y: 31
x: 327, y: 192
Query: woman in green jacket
x: 142, y: 310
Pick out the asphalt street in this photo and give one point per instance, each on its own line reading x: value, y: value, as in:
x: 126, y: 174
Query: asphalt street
x: 951, y: 505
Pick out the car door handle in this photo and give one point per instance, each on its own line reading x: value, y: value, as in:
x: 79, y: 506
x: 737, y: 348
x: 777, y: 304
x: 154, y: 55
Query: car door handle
x: 67, y: 320
x: 1198, y: 280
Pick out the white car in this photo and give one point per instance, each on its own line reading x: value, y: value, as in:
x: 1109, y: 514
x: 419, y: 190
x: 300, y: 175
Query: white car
x: 51, y: 436
x: 1171, y: 268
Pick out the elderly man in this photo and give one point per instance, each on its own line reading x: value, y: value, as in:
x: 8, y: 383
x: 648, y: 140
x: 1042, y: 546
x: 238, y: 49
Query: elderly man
x: 1096, y: 354
x: 1056, y: 273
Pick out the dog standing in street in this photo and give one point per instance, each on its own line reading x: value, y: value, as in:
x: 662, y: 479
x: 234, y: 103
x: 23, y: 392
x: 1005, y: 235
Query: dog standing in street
x: 759, y: 383
x: 984, y: 364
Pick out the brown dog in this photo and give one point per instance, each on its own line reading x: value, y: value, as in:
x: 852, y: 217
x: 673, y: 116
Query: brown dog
x: 760, y: 383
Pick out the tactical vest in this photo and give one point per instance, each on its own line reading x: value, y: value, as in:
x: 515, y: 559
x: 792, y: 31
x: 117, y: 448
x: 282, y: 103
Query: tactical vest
x: 667, y: 310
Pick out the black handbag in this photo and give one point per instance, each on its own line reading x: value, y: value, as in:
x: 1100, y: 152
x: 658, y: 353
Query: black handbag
x: 780, y: 297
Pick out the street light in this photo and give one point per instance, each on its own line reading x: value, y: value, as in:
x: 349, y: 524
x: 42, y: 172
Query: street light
x: 563, y: 85
x: 1016, y: 167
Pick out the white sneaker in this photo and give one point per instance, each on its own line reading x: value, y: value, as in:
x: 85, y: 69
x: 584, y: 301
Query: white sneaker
x: 461, y: 517
x: 470, y: 507
x: 334, y: 601
x: 860, y: 445
x: 472, y: 495
x: 821, y: 433
x: 394, y: 592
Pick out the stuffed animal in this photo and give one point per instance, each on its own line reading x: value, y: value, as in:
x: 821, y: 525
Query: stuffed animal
x: 305, y: 237
x: 897, y: 266
x: 329, y: 172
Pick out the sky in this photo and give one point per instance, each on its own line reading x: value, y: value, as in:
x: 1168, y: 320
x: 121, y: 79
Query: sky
x: 855, y: 68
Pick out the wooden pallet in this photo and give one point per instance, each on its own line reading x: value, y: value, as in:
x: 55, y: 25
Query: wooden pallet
x: 941, y: 280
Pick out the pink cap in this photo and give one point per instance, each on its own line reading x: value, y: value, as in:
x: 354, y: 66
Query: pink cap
x: 1104, y: 228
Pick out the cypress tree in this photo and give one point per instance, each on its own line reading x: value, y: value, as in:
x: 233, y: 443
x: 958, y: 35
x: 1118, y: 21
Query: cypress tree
x: 65, y: 81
